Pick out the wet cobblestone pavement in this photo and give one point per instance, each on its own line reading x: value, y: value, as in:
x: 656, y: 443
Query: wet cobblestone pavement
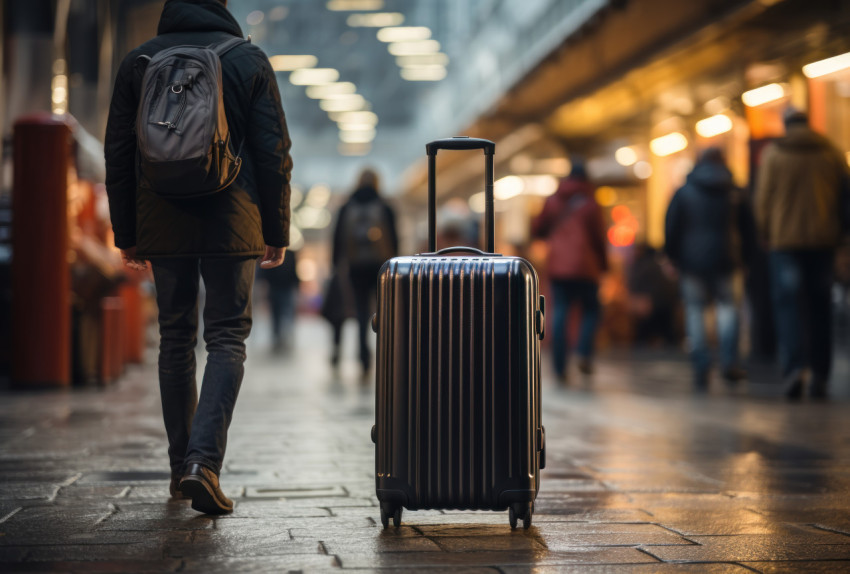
x: 642, y: 477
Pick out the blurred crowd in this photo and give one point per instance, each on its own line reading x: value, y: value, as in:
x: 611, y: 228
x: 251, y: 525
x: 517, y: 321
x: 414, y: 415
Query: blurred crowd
x: 694, y: 294
x: 689, y: 295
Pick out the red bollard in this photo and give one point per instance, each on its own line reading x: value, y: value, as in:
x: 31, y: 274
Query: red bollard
x: 41, y: 281
x: 134, y: 322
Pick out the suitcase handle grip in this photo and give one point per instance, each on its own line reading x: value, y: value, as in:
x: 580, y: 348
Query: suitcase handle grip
x: 462, y: 143
x: 459, y: 143
x: 462, y: 248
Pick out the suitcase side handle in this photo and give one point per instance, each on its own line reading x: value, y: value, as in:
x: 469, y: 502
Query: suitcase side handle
x: 461, y: 143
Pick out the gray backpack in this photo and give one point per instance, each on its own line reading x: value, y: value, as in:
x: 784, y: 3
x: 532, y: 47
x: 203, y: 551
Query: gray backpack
x: 367, y: 234
x: 184, y: 147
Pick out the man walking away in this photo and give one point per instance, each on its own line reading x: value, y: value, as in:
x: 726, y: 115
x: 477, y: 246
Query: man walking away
x: 709, y: 235
x: 801, y: 192
x: 189, y: 229
x: 572, y: 222
x: 364, y: 238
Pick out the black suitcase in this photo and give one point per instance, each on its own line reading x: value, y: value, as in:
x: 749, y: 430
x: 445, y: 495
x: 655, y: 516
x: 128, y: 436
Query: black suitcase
x: 458, y: 421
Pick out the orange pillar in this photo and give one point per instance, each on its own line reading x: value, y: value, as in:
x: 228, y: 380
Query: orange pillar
x: 41, y: 281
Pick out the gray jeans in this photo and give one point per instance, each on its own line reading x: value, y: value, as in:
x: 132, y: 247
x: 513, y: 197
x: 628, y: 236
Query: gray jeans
x: 197, y: 428
x: 698, y: 293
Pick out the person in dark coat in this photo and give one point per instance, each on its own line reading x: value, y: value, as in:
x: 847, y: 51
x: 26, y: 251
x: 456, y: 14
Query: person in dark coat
x: 216, y: 237
x: 282, y: 295
x: 709, y: 233
x: 364, y: 238
x: 571, y: 221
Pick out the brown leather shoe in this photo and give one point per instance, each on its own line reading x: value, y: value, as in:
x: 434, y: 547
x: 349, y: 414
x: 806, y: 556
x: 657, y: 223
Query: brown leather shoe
x: 174, y: 487
x: 201, y: 484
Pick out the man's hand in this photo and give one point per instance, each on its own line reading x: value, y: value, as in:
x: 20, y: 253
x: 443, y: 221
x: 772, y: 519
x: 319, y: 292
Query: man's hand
x: 131, y: 261
x: 273, y: 257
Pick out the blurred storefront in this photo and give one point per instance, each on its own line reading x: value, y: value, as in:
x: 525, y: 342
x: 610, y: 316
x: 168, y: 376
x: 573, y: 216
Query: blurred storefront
x: 636, y: 88
x: 70, y: 313
x: 643, y: 87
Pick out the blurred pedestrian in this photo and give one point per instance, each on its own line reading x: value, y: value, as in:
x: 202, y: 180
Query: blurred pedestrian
x: 216, y: 235
x: 801, y: 193
x: 364, y: 237
x: 282, y: 295
x: 571, y: 221
x: 709, y: 234
x: 653, y: 297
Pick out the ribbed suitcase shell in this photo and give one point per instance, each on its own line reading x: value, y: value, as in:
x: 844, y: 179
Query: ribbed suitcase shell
x: 458, y: 382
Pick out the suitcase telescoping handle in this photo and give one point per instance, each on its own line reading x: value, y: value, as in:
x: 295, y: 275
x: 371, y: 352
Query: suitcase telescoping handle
x: 461, y: 143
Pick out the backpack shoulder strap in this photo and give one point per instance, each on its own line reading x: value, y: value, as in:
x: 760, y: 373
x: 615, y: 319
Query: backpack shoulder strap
x: 221, y: 48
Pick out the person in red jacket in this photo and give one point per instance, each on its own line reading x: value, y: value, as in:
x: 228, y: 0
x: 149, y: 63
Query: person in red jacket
x: 572, y: 223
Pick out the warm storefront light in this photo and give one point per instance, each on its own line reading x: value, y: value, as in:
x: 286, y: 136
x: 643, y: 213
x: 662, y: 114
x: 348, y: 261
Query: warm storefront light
x: 714, y: 126
x: 540, y: 185
x: 423, y: 73
x: 351, y: 104
x: 625, y: 156
x: 312, y: 217
x: 477, y: 201
x: 288, y: 63
x: 669, y: 144
x: 828, y: 66
x: 376, y: 20
x: 763, y: 95
x: 313, y: 76
x: 606, y: 196
x: 318, y: 196
x: 414, y: 48
x: 625, y: 228
x: 355, y: 5
x: 364, y: 117
x: 643, y: 170
x: 438, y: 59
x: 328, y: 90
x: 508, y: 187
x: 404, y: 34
x: 365, y: 136
x: 60, y: 94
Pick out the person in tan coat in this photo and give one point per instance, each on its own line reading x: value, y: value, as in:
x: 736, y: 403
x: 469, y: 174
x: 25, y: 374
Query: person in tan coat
x: 801, y: 194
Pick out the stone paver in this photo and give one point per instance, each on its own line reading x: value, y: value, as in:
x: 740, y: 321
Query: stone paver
x: 642, y: 477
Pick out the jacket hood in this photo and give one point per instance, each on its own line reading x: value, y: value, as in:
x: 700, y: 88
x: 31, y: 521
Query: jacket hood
x: 572, y: 186
x: 801, y: 137
x: 197, y: 16
x: 364, y: 194
x: 711, y: 177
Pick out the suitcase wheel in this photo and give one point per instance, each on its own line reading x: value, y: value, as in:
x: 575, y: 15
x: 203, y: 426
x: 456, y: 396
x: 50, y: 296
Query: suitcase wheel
x: 521, y: 511
x: 387, y: 511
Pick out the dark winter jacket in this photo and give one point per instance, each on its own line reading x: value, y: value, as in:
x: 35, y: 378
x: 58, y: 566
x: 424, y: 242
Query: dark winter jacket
x: 709, y: 229
x: 362, y: 195
x: 801, y: 191
x: 572, y: 222
x: 239, y: 220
